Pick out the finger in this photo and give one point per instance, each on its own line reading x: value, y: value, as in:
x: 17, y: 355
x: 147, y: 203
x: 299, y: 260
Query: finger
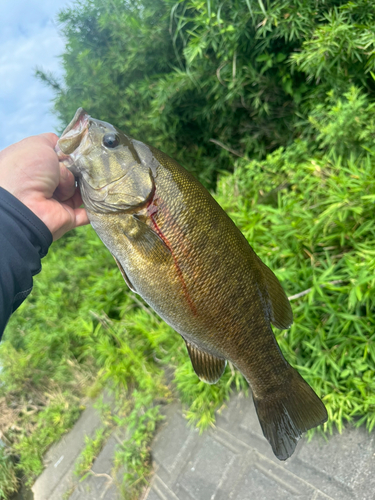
x: 67, y: 185
x: 79, y: 213
x: 81, y: 217
x: 50, y: 137
x: 74, y: 218
x: 75, y: 201
x: 77, y: 198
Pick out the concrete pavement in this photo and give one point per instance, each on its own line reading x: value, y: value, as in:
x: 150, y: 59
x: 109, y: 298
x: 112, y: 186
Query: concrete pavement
x: 230, y: 461
x: 234, y: 461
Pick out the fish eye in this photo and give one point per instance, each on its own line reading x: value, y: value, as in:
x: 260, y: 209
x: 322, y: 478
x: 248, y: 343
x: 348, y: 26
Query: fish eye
x: 111, y: 140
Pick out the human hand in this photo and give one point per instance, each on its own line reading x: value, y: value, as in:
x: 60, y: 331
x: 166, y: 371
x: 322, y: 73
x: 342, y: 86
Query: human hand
x: 30, y: 170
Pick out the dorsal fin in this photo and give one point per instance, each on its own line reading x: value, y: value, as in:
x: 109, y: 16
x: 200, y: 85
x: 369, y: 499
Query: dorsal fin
x: 281, y: 311
x: 208, y: 368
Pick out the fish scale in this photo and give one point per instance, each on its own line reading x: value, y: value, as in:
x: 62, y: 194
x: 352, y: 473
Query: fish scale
x: 179, y: 250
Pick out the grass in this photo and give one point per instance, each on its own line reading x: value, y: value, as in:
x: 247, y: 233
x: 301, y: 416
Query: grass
x: 48, y: 426
x: 8, y: 477
x: 92, y: 448
x: 310, y: 218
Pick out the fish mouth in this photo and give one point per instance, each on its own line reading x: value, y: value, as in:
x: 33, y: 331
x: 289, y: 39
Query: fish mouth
x: 73, y: 136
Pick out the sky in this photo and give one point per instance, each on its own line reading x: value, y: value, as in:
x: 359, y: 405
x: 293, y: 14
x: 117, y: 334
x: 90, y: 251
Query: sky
x: 29, y: 38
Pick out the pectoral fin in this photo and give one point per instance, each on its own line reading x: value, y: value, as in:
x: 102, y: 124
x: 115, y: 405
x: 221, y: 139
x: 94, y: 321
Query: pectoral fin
x: 146, y: 241
x: 208, y: 368
x: 125, y: 276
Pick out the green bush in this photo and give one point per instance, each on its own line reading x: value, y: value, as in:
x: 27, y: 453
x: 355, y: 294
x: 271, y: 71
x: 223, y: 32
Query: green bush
x: 8, y: 477
x: 344, y: 125
x: 206, y: 81
x: 50, y: 424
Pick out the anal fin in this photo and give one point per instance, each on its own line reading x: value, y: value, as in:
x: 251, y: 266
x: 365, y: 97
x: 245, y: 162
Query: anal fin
x: 208, y: 368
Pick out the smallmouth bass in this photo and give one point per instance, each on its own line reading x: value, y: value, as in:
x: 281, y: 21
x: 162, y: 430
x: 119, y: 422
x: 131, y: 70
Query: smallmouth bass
x: 177, y: 249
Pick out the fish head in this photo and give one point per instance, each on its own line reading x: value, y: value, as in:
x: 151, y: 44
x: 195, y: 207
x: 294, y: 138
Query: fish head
x: 111, y: 168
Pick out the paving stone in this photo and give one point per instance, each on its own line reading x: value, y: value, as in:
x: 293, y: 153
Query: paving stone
x: 160, y: 490
x: 171, y: 441
x: 231, y: 462
x: 203, y: 476
x: 321, y: 496
x: 101, y: 485
x: 232, y: 415
x: 340, y: 466
x: 235, y: 462
x: 364, y: 483
x: 104, y: 462
x: 58, y: 476
x: 153, y: 495
x: 277, y: 474
x: 113, y: 493
x: 256, y: 485
x: 174, y: 443
x: 247, y: 416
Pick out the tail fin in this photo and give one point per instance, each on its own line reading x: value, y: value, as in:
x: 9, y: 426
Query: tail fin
x: 287, y: 413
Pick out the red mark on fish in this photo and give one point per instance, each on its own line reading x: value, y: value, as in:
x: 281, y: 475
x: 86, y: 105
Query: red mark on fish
x: 152, y: 210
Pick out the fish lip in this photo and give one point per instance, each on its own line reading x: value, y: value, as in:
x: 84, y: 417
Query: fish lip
x: 78, y: 129
x: 79, y: 121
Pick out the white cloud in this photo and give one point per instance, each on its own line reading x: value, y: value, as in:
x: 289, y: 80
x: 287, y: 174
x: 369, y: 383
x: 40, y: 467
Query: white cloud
x: 29, y: 38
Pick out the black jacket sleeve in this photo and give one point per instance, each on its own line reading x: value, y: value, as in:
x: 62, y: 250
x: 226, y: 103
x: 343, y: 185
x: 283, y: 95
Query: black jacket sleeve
x: 24, y: 240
